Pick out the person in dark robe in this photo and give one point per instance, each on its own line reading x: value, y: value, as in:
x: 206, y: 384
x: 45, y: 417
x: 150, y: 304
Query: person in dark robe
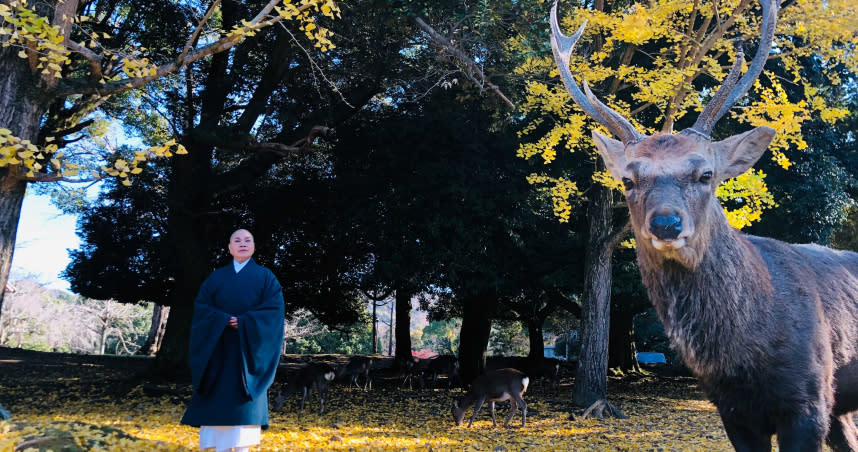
x: 236, y: 339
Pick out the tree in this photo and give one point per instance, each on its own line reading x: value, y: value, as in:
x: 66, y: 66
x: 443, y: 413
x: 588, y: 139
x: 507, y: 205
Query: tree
x: 64, y: 59
x: 239, y: 171
x: 442, y: 337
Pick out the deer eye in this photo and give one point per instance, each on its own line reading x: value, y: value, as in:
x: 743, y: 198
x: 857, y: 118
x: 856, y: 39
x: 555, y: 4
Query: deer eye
x: 628, y: 183
x: 705, y: 177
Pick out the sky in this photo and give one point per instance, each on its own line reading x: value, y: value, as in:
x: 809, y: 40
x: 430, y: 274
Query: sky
x: 44, y: 236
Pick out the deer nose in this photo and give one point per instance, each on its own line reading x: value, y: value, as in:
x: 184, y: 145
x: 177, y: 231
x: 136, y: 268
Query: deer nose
x: 665, y: 227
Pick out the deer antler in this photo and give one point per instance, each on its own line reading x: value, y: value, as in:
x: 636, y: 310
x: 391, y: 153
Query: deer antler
x: 562, y: 46
x: 731, y: 90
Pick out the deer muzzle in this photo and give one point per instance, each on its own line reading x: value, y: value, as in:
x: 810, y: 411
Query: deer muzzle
x: 666, y: 226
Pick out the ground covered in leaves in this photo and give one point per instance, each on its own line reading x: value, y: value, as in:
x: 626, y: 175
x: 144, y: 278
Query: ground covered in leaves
x: 74, y: 402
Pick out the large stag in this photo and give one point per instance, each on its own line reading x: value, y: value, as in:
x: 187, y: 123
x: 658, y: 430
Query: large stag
x: 770, y: 329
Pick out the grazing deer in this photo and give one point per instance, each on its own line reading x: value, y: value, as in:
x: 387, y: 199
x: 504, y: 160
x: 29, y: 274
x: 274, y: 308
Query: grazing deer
x: 444, y: 365
x: 358, y: 366
x: 538, y: 369
x: 494, y: 386
x: 770, y: 329
x: 413, y: 369
x: 316, y: 376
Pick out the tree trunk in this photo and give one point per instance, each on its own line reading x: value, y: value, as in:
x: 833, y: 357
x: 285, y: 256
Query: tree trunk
x: 390, y: 331
x: 621, y: 351
x: 11, y: 198
x: 537, y: 346
x: 474, y: 335
x: 189, y: 199
x: 403, y: 325
x: 591, y: 376
x: 21, y: 108
x: 160, y: 314
x: 102, y: 340
x: 374, y: 328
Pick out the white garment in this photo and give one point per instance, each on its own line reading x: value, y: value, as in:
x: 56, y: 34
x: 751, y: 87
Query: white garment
x: 239, y: 265
x: 227, y: 437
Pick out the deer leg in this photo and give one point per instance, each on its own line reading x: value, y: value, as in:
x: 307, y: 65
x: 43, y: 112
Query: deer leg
x: 523, y: 405
x: 744, y: 439
x: 513, y: 406
x: 477, y: 407
x: 842, y: 436
x: 304, y: 397
x: 492, y: 409
x: 801, y: 433
x: 323, y: 397
x: 279, y: 400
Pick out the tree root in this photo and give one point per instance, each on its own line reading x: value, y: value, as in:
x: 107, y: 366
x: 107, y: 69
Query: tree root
x: 601, y: 409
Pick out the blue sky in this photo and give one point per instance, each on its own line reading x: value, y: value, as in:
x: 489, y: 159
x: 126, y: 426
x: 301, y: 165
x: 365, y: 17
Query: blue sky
x: 44, y: 236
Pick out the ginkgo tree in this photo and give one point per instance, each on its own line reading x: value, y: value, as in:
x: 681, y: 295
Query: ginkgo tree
x: 61, y: 60
x: 658, y: 63
x: 671, y: 56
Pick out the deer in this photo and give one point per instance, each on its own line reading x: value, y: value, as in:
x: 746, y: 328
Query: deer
x: 356, y: 367
x: 413, y: 369
x: 769, y: 329
x: 444, y: 365
x: 544, y: 370
x: 312, y: 376
x: 494, y: 386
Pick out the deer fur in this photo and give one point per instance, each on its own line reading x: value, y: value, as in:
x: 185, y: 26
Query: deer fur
x: 770, y: 329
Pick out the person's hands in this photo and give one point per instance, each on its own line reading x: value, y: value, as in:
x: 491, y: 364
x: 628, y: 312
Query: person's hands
x: 233, y: 322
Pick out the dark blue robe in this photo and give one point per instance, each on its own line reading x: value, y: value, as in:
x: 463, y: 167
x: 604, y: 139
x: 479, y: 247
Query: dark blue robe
x: 231, y: 369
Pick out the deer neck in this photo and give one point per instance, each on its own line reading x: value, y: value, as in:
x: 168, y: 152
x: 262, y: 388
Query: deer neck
x: 708, y: 310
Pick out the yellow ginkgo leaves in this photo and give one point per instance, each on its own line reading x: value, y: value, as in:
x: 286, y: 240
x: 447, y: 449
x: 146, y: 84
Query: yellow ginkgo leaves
x: 38, y: 39
x: 674, y: 79
x: 101, y: 408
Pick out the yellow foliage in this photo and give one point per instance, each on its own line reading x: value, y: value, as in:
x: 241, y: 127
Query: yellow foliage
x: 23, y: 28
x: 17, y: 152
x: 563, y: 192
x: 828, y: 30
x: 750, y: 191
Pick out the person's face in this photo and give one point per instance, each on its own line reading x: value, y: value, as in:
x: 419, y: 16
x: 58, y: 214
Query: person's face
x: 241, y: 245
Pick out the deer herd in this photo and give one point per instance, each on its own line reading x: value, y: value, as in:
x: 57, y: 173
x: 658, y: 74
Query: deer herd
x: 769, y: 329
x: 499, y: 383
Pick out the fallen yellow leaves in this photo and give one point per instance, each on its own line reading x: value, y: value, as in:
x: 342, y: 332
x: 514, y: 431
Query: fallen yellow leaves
x: 95, y: 406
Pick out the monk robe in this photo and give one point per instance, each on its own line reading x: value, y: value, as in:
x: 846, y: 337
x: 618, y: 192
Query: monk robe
x: 231, y: 369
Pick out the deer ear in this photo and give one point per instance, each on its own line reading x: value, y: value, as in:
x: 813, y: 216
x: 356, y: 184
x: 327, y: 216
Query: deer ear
x: 613, y: 153
x: 738, y: 153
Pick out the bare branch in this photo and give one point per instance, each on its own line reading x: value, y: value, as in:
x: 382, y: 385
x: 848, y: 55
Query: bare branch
x: 70, y: 130
x: 93, y: 58
x: 317, y: 68
x: 300, y: 146
x: 460, y: 56
x: 193, y: 39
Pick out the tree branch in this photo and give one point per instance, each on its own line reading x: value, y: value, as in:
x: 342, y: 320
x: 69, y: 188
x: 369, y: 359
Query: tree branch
x: 193, y: 39
x: 71, y: 87
x: 444, y: 43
